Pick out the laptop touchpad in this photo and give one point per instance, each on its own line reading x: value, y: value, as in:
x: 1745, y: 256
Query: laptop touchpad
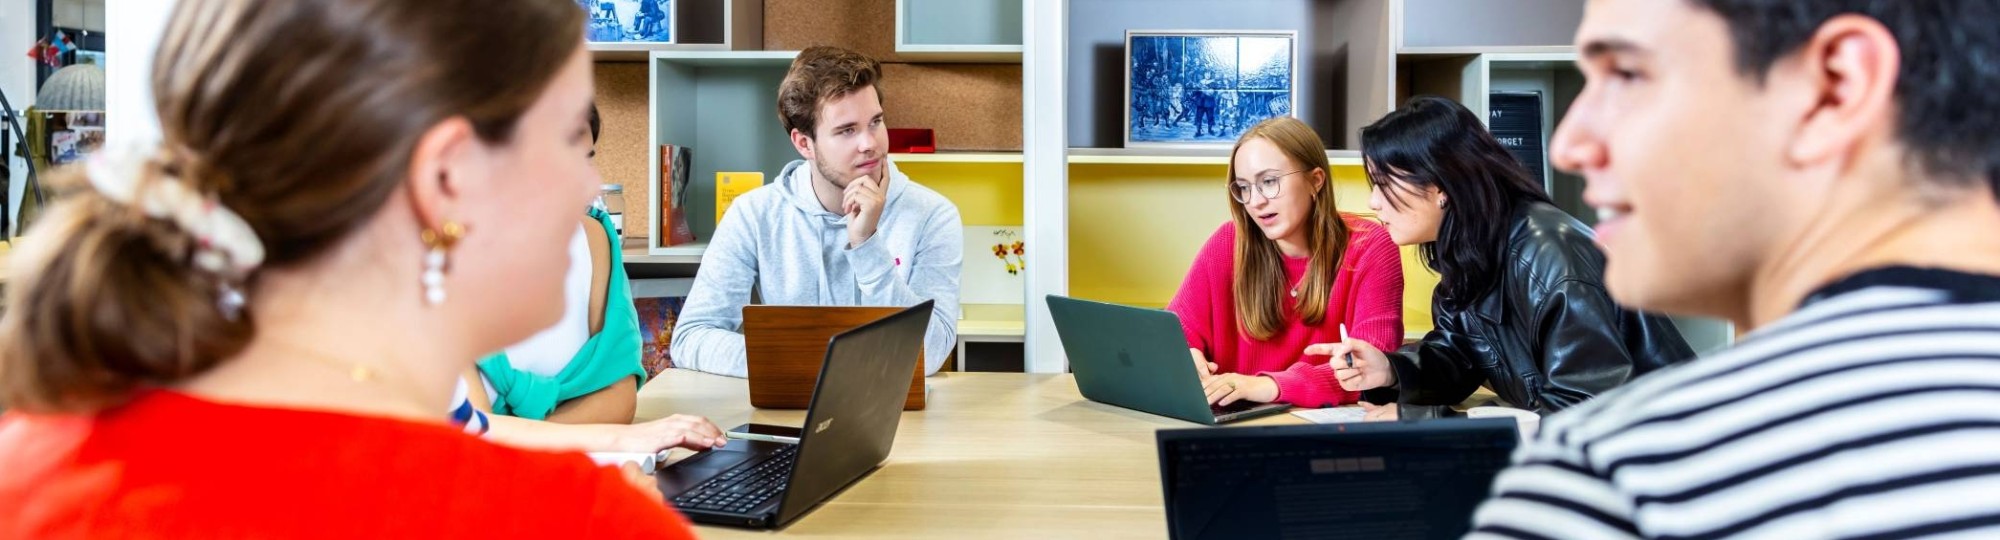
x: 713, y: 461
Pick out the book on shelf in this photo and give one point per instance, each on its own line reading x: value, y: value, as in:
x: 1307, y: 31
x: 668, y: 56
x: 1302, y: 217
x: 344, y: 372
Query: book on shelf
x: 674, y: 163
x: 729, y: 185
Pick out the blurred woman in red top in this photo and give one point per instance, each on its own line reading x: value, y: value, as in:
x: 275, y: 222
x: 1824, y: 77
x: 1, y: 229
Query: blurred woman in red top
x: 247, y: 329
x: 1288, y: 271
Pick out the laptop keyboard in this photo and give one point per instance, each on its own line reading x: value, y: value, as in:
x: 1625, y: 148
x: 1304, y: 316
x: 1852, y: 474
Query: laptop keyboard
x: 744, y: 487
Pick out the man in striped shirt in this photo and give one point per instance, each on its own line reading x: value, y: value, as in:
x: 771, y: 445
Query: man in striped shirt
x: 1822, y: 173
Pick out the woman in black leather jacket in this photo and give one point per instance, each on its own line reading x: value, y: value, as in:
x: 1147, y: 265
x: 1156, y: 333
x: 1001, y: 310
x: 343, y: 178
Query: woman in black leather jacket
x: 1521, y: 304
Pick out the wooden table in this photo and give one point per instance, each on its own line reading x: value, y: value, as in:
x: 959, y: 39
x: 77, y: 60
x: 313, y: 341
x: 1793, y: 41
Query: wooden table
x: 996, y: 455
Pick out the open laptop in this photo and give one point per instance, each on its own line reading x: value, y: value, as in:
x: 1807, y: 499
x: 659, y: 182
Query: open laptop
x: 1414, y: 480
x: 1138, y: 359
x: 849, y: 427
x: 783, y: 346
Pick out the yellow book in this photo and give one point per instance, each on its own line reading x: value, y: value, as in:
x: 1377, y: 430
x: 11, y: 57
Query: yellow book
x: 729, y: 185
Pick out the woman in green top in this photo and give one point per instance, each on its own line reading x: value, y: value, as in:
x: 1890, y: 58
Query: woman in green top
x: 584, y: 370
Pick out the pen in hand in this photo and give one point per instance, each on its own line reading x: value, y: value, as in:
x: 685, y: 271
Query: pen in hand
x: 1343, y: 339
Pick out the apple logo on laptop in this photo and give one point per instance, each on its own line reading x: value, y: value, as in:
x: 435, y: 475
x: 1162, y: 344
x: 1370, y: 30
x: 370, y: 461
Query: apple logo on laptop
x: 1124, y: 358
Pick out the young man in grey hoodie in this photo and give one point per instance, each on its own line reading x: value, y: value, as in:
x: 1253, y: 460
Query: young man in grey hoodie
x: 841, y: 227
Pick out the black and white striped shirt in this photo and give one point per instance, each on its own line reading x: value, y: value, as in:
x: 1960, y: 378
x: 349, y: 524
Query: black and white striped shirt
x: 1872, y: 412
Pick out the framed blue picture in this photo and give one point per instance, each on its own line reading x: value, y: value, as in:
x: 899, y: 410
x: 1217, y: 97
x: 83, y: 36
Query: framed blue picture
x: 1202, y: 88
x: 628, y: 21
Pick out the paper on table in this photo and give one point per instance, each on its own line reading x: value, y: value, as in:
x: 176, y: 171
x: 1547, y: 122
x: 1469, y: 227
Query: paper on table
x: 1332, y: 415
x: 1527, y: 422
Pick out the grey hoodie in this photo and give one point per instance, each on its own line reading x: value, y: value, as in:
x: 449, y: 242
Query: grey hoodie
x: 779, y: 239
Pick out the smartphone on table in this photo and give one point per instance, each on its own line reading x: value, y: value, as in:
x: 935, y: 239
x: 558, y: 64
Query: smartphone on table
x: 765, y: 432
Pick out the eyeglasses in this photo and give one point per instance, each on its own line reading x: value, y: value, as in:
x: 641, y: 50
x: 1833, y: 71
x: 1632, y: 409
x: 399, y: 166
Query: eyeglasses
x: 1268, y: 185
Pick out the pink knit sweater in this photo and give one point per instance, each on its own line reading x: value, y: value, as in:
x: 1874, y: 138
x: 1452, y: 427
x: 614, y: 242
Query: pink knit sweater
x: 1367, y: 296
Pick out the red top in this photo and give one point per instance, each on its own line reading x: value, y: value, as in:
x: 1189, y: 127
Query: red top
x: 170, y: 465
x: 1367, y: 296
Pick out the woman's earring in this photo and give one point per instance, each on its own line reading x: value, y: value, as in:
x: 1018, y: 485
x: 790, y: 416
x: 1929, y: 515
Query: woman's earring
x: 437, y: 259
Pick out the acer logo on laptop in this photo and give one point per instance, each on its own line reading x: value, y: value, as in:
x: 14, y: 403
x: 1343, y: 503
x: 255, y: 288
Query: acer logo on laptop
x: 823, y: 425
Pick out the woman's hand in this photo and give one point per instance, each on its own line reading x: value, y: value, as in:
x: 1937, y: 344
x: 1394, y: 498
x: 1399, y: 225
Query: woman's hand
x: 1202, y: 367
x: 1380, y: 413
x: 677, y: 431
x: 1226, y: 388
x: 1369, y: 369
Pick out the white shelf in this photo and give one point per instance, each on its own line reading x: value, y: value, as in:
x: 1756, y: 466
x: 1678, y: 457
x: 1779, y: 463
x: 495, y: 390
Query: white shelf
x: 1219, y: 156
x: 681, y: 254
x: 699, y: 25
x: 714, y: 57
x: 661, y: 288
x: 958, y: 157
x: 638, y: 52
x: 971, y: 54
x: 1469, y: 51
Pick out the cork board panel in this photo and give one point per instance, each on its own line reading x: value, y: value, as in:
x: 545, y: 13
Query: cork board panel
x: 622, y: 153
x: 969, y: 106
x: 867, y: 26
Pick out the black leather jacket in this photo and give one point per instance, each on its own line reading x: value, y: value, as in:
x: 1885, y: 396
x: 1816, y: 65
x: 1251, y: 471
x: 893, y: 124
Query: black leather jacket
x: 1546, y: 337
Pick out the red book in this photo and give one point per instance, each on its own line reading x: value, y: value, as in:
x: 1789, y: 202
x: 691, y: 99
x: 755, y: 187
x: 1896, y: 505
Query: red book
x: 673, y: 224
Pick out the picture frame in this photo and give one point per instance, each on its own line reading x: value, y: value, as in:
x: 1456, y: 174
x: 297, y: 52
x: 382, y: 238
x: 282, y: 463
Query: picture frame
x: 1204, y: 88
x: 628, y: 21
x: 72, y: 136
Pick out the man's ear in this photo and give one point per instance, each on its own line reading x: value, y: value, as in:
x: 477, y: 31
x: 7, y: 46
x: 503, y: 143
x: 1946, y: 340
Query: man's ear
x: 803, y: 143
x: 1851, y: 65
x: 439, y: 171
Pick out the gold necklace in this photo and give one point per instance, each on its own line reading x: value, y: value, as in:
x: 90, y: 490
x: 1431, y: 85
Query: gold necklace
x: 356, y: 372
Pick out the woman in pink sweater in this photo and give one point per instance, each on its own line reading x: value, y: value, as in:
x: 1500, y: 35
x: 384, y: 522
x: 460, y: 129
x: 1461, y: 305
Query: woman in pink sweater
x: 1287, y: 272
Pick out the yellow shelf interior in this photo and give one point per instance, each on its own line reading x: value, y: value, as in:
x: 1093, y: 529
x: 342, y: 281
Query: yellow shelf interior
x: 1135, y: 227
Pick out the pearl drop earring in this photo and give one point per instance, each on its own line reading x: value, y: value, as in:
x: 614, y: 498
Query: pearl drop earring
x: 437, y: 259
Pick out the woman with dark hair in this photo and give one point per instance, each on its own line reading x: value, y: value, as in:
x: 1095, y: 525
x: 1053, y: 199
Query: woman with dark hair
x: 1520, y: 305
x: 247, y: 328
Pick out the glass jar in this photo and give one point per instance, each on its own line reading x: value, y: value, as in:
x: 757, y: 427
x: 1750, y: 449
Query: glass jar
x: 611, y: 199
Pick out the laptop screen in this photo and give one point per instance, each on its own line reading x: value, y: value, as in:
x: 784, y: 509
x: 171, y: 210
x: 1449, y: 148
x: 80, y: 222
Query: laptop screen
x: 1376, y: 481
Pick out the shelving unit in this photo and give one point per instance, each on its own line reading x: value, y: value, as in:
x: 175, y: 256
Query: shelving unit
x: 699, y: 25
x: 681, y: 254
x: 977, y: 31
x: 718, y: 104
x: 1102, y: 221
x: 1359, y: 59
x: 957, y: 157
x: 988, y: 323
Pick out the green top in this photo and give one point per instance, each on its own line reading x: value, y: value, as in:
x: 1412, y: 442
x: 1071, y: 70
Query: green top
x: 610, y: 355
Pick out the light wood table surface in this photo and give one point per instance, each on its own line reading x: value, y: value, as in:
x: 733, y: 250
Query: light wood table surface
x: 996, y: 455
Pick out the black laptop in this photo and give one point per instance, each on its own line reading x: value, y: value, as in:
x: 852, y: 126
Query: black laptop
x: 1391, y: 480
x: 849, y: 427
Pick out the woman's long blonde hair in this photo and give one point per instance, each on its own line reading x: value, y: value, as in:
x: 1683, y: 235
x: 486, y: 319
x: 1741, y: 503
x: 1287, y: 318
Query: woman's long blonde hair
x: 1260, y: 267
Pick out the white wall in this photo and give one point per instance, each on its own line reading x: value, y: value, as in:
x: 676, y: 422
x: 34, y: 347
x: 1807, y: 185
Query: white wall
x: 132, y: 33
x: 17, y: 79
